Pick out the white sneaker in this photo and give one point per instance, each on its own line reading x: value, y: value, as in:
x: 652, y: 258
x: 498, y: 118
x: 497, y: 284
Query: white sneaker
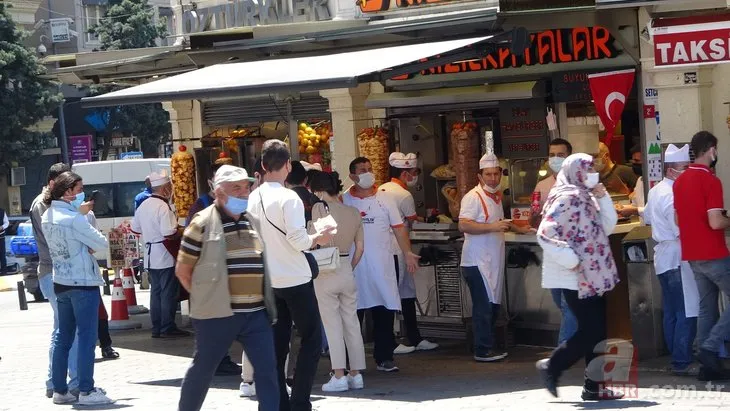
x: 404, y: 349
x: 67, y: 398
x: 356, y: 382
x: 248, y: 389
x: 426, y: 345
x: 95, y: 397
x: 336, y: 385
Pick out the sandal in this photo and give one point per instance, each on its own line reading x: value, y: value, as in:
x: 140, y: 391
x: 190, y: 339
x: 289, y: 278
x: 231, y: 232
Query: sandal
x: 109, y: 353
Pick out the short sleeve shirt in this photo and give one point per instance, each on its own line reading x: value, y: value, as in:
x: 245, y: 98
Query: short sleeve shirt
x: 696, y: 192
x: 404, y: 201
x: 478, y: 206
x: 379, y: 214
x: 154, y: 220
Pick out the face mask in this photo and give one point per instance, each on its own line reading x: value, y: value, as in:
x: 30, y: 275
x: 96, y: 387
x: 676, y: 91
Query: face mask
x: 236, y: 206
x: 714, y: 158
x: 78, y: 200
x: 674, y: 174
x: 412, y: 183
x: 491, y: 190
x: 556, y: 163
x: 638, y: 169
x: 592, y: 180
x: 366, y: 180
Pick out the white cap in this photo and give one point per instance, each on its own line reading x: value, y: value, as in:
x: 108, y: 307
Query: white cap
x: 401, y: 160
x: 488, y: 161
x: 229, y: 174
x: 158, y: 179
x: 676, y: 155
x: 308, y: 166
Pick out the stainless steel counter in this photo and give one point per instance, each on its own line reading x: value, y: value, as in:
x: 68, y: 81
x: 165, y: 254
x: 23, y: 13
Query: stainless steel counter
x: 511, y: 237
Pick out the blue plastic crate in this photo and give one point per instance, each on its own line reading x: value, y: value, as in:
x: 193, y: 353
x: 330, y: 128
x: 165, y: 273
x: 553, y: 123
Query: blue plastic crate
x: 24, y: 246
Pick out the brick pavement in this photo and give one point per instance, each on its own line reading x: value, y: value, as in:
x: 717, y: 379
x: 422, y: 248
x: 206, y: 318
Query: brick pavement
x: 148, y: 376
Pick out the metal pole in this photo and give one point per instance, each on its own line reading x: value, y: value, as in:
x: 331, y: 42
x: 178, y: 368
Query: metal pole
x: 293, y: 130
x: 62, y: 128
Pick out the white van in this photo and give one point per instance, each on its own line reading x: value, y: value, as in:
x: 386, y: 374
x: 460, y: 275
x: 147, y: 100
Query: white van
x: 118, y: 182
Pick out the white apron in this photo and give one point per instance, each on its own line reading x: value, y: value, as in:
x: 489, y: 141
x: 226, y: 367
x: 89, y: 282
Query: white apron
x: 689, y: 289
x: 491, y: 261
x: 375, y: 274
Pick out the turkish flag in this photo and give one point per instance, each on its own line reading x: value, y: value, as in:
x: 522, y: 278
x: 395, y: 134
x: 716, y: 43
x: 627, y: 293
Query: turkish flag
x: 610, y: 91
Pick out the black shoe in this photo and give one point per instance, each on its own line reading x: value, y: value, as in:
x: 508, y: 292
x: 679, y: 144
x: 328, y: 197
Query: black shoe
x: 601, y: 395
x: 155, y: 335
x: 705, y: 374
x: 109, y: 353
x: 290, y: 382
x: 226, y: 368
x: 710, y: 360
x: 176, y: 333
x: 549, y: 380
x: 387, y: 366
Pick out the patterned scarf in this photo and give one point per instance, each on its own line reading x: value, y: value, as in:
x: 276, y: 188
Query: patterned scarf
x: 572, y: 219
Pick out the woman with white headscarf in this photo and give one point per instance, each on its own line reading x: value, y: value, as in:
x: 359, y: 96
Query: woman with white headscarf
x: 578, y: 218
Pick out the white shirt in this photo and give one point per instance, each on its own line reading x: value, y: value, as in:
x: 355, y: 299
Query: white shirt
x: 472, y: 209
x: 283, y: 255
x: 659, y: 213
x: 6, y: 222
x: 406, y: 208
x: 375, y: 274
x: 154, y: 220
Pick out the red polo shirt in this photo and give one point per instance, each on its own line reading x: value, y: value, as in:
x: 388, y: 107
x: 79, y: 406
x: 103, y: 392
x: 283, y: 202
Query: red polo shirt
x: 696, y: 192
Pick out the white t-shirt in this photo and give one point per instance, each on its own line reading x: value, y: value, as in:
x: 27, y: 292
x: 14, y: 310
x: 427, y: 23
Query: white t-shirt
x: 283, y: 255
x: 406, y: 207
x: 472, y: 208
x: 154, y: 220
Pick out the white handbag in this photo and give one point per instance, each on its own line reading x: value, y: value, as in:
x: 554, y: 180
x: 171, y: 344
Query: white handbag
x: 328, y: 258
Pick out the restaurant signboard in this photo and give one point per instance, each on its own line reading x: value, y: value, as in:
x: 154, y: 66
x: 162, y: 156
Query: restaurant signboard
x: 523, y: 129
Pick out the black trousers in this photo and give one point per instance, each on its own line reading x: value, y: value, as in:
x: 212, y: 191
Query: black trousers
x: 383, y: 336
x: 408, y: 309
x: 105, y: 340
x: 298, y: 305
x: 591, y: 315
x: 3, y: 257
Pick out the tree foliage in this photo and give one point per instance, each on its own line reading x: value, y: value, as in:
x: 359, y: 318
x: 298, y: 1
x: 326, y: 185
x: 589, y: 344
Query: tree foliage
x: 130, y: 24
x: 25, y: 97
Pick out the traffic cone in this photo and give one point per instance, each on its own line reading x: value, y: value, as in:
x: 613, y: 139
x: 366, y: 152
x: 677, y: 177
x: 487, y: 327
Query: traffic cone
x: 129, y: 293
x: 120, y: 316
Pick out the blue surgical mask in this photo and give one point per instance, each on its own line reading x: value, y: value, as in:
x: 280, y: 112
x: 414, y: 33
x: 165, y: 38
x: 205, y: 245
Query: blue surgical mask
x: 78, y: 200
x: 236, y: 206
x: 556, y: 163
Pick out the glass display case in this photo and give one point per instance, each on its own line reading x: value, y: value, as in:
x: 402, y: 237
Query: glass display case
x: 523, y: 177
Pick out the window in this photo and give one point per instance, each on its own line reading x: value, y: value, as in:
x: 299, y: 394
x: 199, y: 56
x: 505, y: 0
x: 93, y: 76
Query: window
x: 114, y: 200
x: 92, y: 15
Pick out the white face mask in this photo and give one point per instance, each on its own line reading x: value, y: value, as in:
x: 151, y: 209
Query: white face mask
x: 412, y: 183
x: 491, y: 190
x: 366, y: 180
x: 556, y: 163
x: 592, y: 180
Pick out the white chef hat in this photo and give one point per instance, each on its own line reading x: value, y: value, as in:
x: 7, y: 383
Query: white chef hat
x: 158, y: 179
x: 401, y: 160
x: 488, y: 161
x: 228, y: 173
x: 673, y: 154
x: 308, y: 166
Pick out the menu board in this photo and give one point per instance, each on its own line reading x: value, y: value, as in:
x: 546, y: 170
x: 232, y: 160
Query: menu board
x: 123, y: 247
x: 523, y: 129
x: 571, y: 86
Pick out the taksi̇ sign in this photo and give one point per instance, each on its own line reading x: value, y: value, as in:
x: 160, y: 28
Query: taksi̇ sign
x: 691, y: 41
x: 248, y: 13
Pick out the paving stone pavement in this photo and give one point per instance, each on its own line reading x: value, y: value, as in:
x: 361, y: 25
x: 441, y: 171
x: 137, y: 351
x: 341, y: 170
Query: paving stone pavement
x: 149, y: 372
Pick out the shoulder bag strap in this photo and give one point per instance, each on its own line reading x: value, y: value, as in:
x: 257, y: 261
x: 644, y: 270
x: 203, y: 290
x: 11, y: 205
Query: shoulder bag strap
x: 263, y: 208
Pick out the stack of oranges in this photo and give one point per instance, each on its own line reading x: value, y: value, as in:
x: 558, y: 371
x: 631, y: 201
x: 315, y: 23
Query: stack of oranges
x: 314, y: 140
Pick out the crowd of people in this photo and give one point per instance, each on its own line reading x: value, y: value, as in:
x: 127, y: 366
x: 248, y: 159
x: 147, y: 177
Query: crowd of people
x: 246, y: 257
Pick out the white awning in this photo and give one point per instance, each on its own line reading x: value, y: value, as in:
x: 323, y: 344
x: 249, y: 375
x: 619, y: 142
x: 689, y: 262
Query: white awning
x: 339, y: 70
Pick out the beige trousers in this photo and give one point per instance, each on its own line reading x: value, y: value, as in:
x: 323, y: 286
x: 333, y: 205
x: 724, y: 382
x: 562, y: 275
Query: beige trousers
x: 337, y: 297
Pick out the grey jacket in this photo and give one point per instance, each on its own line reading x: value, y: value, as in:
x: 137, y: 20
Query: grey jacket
x: 209, y: 293
x: 37, y: 208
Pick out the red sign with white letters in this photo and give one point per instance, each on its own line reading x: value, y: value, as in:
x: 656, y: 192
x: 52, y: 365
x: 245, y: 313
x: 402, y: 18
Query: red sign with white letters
x: 692, y: 41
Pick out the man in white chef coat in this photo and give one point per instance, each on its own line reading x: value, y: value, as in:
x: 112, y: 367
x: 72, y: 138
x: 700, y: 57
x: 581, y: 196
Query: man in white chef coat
x: 155, y: 221
x: 679, y: 289
x: 404, y: 175
x: 481, y: 219
x: 377, y: 284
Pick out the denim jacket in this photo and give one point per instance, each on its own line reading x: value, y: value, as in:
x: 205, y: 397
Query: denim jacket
x: 70, y: 236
